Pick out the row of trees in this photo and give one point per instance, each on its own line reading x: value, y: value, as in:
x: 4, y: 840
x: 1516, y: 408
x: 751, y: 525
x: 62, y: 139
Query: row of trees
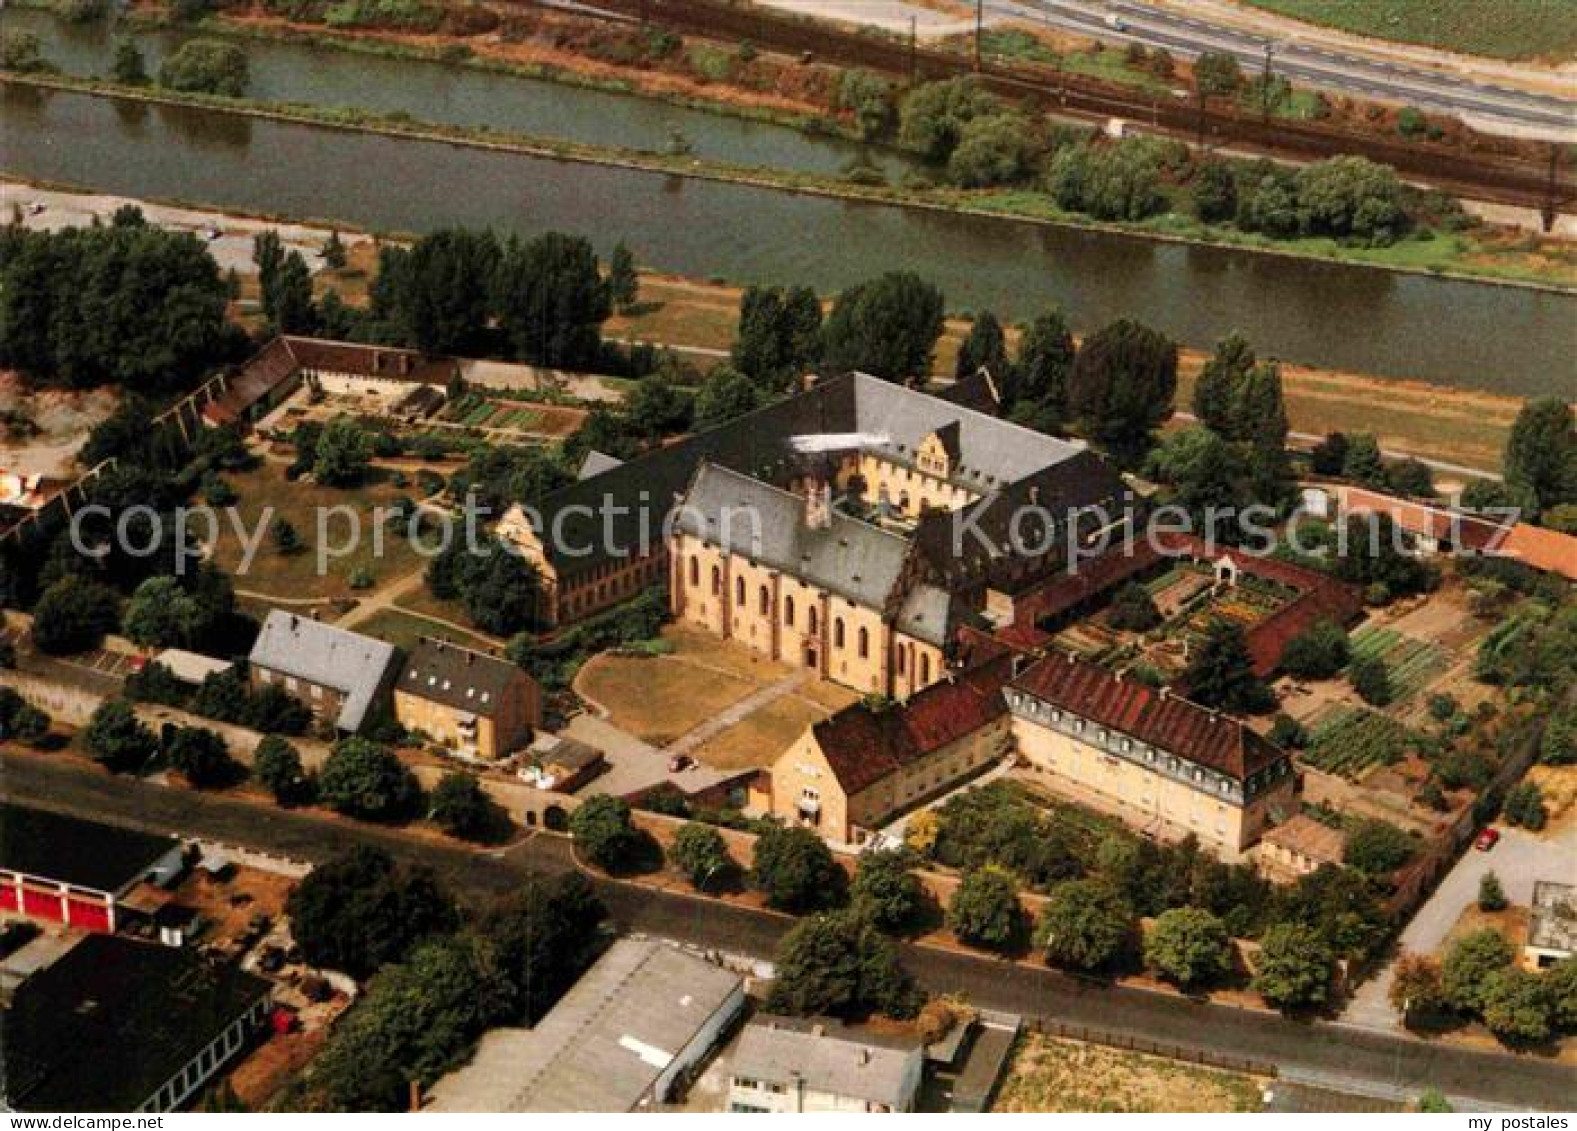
x: 439, y: 976
x: 1479, y: 978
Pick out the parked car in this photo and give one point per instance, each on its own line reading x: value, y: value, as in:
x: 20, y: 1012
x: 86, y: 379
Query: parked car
x: 1487, y: 840
x: 679, y: 763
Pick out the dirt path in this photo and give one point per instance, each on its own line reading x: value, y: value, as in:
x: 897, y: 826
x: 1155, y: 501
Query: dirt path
x: 738, y: 713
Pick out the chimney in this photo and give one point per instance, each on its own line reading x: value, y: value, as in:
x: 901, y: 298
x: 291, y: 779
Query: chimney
x: 865, y: 1055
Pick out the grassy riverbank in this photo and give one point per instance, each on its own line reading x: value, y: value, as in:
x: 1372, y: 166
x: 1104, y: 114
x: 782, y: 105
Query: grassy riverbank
x: 1493, y: 255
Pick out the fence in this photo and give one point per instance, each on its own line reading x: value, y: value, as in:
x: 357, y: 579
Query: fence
x: 1050, y: 1026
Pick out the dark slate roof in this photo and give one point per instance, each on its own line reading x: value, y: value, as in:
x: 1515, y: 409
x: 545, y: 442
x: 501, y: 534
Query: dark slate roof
x: 458, y: 677
x: 110, y: 1021
x: 81, y: 853
x: 992, y: 454
x: 848, y: 557
x: 862, y: 746
x: 977, y: 391
x: 1161, y: 719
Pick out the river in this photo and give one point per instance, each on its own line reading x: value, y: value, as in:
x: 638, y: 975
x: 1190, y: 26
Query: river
x: 1500, y: 339
x: 452, y: 94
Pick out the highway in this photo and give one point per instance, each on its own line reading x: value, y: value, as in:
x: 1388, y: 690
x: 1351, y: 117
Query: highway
x: 1310, y: 64
x: 1358, y: 1060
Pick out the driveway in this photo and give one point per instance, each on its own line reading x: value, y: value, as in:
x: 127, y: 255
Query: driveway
x: 1519, y: 859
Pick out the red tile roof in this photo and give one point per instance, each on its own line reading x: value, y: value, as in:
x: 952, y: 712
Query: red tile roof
x: 1165, y: 721
x: 863, y: 746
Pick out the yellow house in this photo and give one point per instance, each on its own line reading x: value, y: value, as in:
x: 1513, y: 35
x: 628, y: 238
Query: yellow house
x: 476, y: 704
x: 1164, y: 765
x: 848, y: 775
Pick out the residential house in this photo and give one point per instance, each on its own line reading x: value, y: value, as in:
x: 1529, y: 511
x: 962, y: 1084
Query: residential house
x: 797, y: 1065
x: 1552, y: 924
x: 479, y: 705
x: 341, y: 675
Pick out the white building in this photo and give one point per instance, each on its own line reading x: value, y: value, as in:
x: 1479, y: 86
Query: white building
x: 784, y: 1065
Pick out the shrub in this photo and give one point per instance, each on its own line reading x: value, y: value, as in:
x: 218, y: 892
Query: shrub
x: 1371, y: 679
x: 1468, y: 965
x: 699, y: 852
x: 1318, y: 652
x: 603, y: 832
x: 116, y: 738
x: 206, y: 66
x: 1378, y: 848
x: 1524, y: 805
x: 1491, y: 896
x: 1515, y: 1006
x: 1133, y: 609
x: 202, y: 756
x: 278, y: 769
x: 461, y: 807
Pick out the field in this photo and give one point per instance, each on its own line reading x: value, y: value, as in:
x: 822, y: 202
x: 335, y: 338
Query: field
x: 1349, y: 740
x: 1413, y: 664
x: 1049, y: 1075
x: 266, y: 495
x: 1501, y: 29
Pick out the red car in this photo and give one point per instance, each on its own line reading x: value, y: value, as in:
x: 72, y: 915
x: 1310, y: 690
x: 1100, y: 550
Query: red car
x: 1487, y: 840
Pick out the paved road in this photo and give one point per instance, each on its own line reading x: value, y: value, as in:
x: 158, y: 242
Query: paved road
x: 1364, y: 1062
x: 1313, y: 63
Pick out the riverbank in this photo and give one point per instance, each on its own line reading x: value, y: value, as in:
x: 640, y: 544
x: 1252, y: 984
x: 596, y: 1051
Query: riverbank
x: 1488, y: 255
x: 1451, y: 425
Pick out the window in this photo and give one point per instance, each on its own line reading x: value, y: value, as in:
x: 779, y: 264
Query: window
x: 695, y: 571
x: 788, y: 611
x: 739, y: 590
x: 925, y: 667
x: 837, y: 632
x: 763, y: 600
x: 865, y: 642
x: 903, y: 659
x: 717, y: 581
x: 812, y: 620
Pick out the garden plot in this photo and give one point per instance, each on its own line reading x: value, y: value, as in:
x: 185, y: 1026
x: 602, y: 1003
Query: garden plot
x: 529, y: 418
x: 1349, y: 741
x: 1413, y: 664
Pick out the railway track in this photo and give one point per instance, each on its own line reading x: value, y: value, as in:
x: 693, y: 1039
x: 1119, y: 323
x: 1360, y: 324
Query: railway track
x: 1542, y: 185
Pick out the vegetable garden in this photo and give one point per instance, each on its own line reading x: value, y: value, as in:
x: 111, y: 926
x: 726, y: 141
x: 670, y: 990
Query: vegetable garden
x: 1413, y: 664
x: 1349, y: 740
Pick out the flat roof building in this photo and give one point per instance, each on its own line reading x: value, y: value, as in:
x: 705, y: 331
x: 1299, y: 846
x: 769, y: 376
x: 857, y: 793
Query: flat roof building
x: 118, y: 1025
x: 638, y: 1020
x: 65, y: 870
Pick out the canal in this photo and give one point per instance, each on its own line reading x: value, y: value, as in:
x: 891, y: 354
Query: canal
x: 1500, y: 339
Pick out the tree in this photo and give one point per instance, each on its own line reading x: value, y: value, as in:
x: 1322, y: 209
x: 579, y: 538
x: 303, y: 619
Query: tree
x: 461, y: 807
x: 603, y: 833
x: 1086, y: 924
x: 552, y: 300
x: 1035, y: 388
x: 1295, y: 967
x: 725, y: 394
x: 1434, y: 1102
x: 202, y: 756
x: 439, y: 294
x: 1515, y: 1006
x: 1215, y: 192
x: 933, y: 115
x: 778, y: 336
x: 290, y: 297
x: 206, y: 66
x: 998, y: 149
x: 498, y: 587
x: 1133, y: 609
x: 1378, y: 848
x: 985, y: 911
x: 543, y: 934
x: 1374, y: 552
x: 365, y: 780
x: 161, y: 614
x: 1524, y: 805
x: 1329, y: 456
x: 73, y: 615
x: 1560, y: 983
x: 699, y: 852
x: 116, y: 738
x: 286, y: 540
x: 1216, y: 74
x: 129, y: 68
x: 886, y: 890
x: 278, y: 769
x: 1119, y: 181
x: 359, y: 911
x: 1491, y: 896
x: 334, y: 253
x: 1189, y: 946
x: 342, y: 454
x: 1558, y: 746
x: 1371, y: 679
x: 1122, y: 387
x: 1469, y: 963
x: 1411, y: 477
x: 19, y: 719
x: 840, y: 965
x: 1217, y: 390
x: 624, y: 284
x: 795, y: 869
x: 1361, y: 461
x: 1541, y: 456
x: 1416, y: 986
x: 1351, y: 198
x: 1318, y: 652
x: 870, y: 98
x: 887, y: 326
x: 985, y: 347
x: 1220, y: 671
x: 22, y: 52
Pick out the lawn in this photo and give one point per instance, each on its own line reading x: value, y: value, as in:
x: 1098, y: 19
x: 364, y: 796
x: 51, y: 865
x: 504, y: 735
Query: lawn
x: 1501, y: 29
x: 1050, y: 1075
x: 403, y: 629
x: 266, y: 495
x: 657, y: 698
x: 759, y: 739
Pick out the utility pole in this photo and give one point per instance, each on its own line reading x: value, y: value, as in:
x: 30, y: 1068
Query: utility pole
x: 1270, y: 48
x: 914, y: 48
x: 980, y: 23
x: 1548, y: 214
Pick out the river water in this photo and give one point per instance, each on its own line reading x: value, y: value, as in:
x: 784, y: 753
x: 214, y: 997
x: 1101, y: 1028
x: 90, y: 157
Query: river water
x: 1499, y: 339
